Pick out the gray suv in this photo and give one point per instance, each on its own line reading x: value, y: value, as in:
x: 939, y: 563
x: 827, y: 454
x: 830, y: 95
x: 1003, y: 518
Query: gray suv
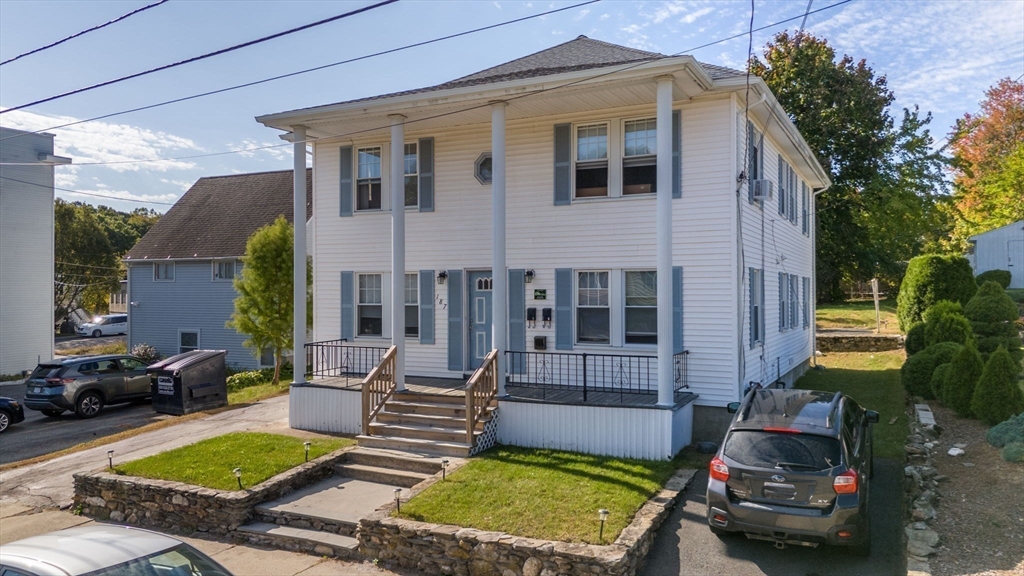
x: 794, y: 469
x: 86, y: 384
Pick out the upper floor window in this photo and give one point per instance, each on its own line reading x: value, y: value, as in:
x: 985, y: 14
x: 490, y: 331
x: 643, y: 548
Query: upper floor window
x: 756, y: 310
x: 412, y: 178
x: 639, y: 158
x: 163, y: 272
x: 593, y: 309
x: 188, y: 340
x: 412, y: 305
x: 642, y: 307
x: 224, y: 270
x: 592, y: 161
x: 368, y: 179
x: 371, y: 306
x: 754, y: 159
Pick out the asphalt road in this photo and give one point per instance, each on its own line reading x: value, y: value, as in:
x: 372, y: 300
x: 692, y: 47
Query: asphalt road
x: 39, y: 434
x: 685, y: 546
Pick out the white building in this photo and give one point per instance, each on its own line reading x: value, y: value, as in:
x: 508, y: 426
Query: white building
x: 1000, y: 249
x: 610, y: 186
x: 26, y: 248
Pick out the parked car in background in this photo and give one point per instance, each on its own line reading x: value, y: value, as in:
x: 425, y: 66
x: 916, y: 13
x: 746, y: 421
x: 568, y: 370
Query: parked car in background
x: 10, y: 413
x: 794, y: 469
x: 104, y: 326
x: 86, y: 384
x: 104, y: 550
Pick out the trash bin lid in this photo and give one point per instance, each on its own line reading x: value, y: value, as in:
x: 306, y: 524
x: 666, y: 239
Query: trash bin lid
x: 186, y: 359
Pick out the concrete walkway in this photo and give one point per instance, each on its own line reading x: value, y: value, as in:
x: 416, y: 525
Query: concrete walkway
x: 51, y: 483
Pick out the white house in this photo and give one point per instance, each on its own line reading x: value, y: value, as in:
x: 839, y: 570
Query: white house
x: 645, y: 283
x: 26, y: 248
x: 1000, y: 249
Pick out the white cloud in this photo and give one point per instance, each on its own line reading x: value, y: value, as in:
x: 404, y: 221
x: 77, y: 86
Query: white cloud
x: 62, y: 178
x: 605, y: 16
x: 583, y: 14
x: 183, y: 184
x: 107, y: 142
x: 249, y: 148
x: 694, y: 16
x: 122, y: 195
x: 557, y: 32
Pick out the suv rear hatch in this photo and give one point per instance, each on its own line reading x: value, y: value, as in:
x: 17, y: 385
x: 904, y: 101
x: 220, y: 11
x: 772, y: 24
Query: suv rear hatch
x: 782, y: 467
x: 46, y: 374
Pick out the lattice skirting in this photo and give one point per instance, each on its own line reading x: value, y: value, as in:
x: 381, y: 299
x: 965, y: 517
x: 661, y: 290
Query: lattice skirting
x: 489, y: 437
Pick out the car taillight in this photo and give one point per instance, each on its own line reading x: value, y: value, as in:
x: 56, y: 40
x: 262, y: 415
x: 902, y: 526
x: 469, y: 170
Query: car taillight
x: 718, y: 470
x: 59, y: 380
x: 781, y: 430
x: 845, y: 483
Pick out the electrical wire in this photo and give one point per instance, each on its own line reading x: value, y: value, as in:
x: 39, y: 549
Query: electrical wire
x: 87, y: 265
x: 307, y: 70
x: 87, y: 193
x: 204, y: 56
x: 86, y: 31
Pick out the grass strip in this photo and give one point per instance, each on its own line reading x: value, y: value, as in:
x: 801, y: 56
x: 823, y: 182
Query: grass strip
x: 210, y: 462
x: 858, y: 315
x: 95, y: 350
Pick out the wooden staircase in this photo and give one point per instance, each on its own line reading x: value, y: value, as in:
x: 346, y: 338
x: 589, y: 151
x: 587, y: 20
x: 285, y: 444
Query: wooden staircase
x: 424, y: 423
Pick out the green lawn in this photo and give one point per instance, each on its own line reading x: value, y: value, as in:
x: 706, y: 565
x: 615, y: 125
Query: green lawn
x: 873, y: 380
x: 859, y: 314
x: 542, y: 493
x: 257, y: 393
x: 209, y: 462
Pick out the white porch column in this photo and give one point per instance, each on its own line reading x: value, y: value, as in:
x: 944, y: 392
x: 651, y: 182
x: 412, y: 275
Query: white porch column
x: 666, y: 395
x: 499, y: 288
x: 397, y: 177
x: 299, y: 247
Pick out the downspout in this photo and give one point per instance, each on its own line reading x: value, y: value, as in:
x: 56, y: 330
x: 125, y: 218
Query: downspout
x: 814, y: 275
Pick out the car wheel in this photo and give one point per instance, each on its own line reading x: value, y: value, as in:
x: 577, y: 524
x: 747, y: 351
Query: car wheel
x: 96, y: 333
x: 5, y: 421
x: 52, y: 413
x: 89, y: 405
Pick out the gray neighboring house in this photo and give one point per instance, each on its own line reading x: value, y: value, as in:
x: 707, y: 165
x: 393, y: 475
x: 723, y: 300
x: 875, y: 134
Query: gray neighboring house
x: 1000, y: 249
x: 26, y: 249
x: 180, y: 289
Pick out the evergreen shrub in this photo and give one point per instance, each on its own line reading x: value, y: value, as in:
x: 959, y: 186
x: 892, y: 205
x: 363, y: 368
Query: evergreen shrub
x: 916, y: 374
x: 914, y: 342
x: 939, y: 376
x: 1014, y: 452
x: 964, y: 371
x: 929, y: 279
x: 1001, y: 277
x: 1010, y: 430
x: 992, y: 314
x: 998, y: 395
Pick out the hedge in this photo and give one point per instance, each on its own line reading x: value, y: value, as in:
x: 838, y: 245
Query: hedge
x: 1001, y: 277
x: 939, y: 376
x: 914, y: 342
x: 964, y: 371
x: 916, y: 373
x: 992, y: 314
x: 997, y: 395
x: 929, y: 279
x: 945, y: 322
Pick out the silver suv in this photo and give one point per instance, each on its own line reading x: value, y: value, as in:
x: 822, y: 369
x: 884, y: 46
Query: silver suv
x: 85, y: 385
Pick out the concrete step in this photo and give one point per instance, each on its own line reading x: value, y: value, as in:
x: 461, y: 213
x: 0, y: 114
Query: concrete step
x: 379, y: 475
x: 442, y: 399
x: 428, y: 420
x: 313, y: 541
x: 393, y: 459
x: 421, y: 432
x: 416, y: 445
x: 334, y: 504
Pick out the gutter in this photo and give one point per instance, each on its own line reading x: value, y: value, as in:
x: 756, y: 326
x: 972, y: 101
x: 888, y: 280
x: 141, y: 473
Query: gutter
x: 814, y: 274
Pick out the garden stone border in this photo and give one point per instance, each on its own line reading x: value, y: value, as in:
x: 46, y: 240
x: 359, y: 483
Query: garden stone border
x: 448, y: 549
x: 921, y: 482
x: 183, y: 508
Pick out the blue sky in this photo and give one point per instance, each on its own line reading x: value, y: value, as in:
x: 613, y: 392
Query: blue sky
x: 940, y: 55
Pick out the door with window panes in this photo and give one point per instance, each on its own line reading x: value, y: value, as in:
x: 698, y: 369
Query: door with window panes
x: 480, y: 316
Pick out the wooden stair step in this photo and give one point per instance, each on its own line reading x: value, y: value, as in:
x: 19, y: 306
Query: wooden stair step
x: 443, y: 399
x: 421, y: 432
x: 426, y: 409
x: 403, y: 478
x: 426, y: 420
x: 415, y: 445
x: 394, y: 460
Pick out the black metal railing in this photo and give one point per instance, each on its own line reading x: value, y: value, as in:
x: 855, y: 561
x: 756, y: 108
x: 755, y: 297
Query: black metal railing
x: 680, y: 378
x: 335, y: 358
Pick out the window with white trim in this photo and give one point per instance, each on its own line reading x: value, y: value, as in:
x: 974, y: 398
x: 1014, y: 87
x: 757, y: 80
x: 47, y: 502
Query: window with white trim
x: 807, y: 304
x: 755, y: 159
x: 789, y: 188
x: 641, y: 307
x: 370, y: 307
x: 783, y: 301
x: 593, y: 310
x: 188, y: 340
x: 224, y: 270
x: 756, y: 308
x: 163, y: 272
x: 412, y: 176
x: 368, y: 187
x: 794, y: 300
x: 267, y: 357
x: 639, y: 157
x: 806, y: 204
x: 592, y: 161
x: 412, y: 304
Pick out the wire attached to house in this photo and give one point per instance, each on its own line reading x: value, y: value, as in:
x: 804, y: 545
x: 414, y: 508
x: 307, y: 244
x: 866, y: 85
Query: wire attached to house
x: 205, y: 56
x: 86, y: 193
x: 83, y: 32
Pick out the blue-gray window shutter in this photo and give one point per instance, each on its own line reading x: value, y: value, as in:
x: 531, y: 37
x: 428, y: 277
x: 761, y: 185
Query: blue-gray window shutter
x: 563, y: 309
x: 426, y: 306
x: 517, y: 319
x: 677, y: 309
x: 426, y: 160
x: 348, y: 306
x: 751, y: 312
x: 345, y: 186
x: 677, y: 150
x: 563, y: 164
x: 456, y: 332
x: 782, y: 301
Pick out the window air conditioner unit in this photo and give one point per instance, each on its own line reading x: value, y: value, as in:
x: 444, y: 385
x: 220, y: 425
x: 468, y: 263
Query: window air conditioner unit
x: 762, y: 189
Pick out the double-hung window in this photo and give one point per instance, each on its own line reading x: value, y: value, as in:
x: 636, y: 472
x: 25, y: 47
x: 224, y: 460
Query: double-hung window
x: 783, y: 301
x: 642, y: 307
x: 591, y: 160
x: 224, y: 270
x: 412, y: 304
x: 593, y: 315
x: 756, y: 306
x: 371, y: 305
x: 368, y: 179
x: 794, y: 300
x: 163, y: 272
x: 412, y: 176
x: 753, y: 159
x: 639, y: 157
x: 188, y: 340
x: 807, y: 304
x: 806, y: 202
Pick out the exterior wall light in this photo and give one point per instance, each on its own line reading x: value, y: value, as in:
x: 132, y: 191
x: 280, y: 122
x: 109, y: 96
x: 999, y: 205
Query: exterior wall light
x: 603, y: 515
x: 110, y: 459
x: 529, y: 276
x: 442, y: 276
x: 306, y: 446
x: 398, y: 499
x: 238, y: 476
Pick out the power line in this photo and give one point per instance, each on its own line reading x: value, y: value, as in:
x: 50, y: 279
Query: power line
x: 87, y: 265
x: 86, y: 31
x: 307, y: 70
x: 87, y: 193
x: 204, y: 56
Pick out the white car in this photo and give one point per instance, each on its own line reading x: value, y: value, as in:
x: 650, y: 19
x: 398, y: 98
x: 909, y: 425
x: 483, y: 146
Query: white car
x: 104, y: 326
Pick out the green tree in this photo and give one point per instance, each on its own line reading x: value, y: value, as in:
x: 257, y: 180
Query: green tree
x: 998, y: 395
x: 964, y: 371
x: 84, y: 263
x: 264, y: 309
x: 886, y: 181
x: 992, y: 314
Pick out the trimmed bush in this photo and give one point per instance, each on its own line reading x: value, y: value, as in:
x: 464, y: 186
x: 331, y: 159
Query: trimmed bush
x: 938, y: 381
x: 997, y: 395
x: 916, y: 374
x: 943, y: 351
x: 992, y: 314
x: 950, y: 327
x: 1014, y: 452
x: 914, y: 342
x: 145, y: 352
x: 1001, y: 277
x: 929, y: 279
x: 1011, y: 430
x: 964, y: 371
x: 941, y: 308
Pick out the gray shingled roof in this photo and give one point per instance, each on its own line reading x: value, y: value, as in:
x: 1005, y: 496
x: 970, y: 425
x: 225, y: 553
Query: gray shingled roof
x: 218, y: 214
x: 581, y: 53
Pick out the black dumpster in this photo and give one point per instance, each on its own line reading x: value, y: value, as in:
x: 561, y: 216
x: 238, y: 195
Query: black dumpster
x: 189, y: 382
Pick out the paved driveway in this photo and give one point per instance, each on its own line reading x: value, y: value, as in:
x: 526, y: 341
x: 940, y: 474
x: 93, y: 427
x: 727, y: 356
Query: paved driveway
x: 685, y: 546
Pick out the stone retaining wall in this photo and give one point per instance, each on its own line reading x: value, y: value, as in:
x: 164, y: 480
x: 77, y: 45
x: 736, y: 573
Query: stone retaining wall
x: 443, y: 549
x: 865, y: 343
x: 183, y: 508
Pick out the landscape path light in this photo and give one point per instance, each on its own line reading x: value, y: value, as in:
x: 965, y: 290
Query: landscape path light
x: 110, y: 459
x: 306, y: 445
x: 603, y: 515
x: 398, y: 499
x: 238, y: 476
x: 444, y: 468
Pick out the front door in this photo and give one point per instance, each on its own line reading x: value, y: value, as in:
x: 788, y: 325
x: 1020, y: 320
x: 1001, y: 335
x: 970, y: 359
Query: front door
x: 480, y: 317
